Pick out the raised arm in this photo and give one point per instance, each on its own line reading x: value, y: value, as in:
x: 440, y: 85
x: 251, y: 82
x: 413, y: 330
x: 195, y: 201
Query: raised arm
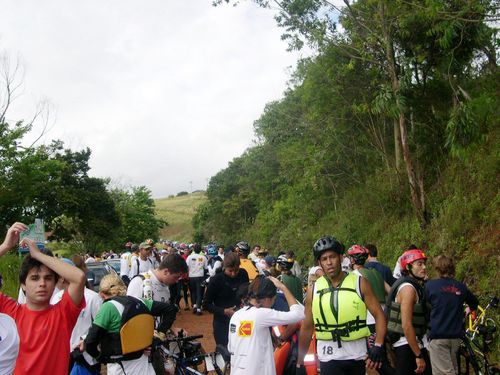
x: 73, y: 275
x: 12, y: 237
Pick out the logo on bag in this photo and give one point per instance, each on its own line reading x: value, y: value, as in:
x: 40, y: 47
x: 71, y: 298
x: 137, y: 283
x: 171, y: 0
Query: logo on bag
x: 246, y: 328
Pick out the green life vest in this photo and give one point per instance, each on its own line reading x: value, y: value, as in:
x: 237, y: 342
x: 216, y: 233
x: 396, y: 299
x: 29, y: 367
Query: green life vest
x: 419, y: 319
x: 339, y: 313
x: 136, y: 331
x: 376, y: 282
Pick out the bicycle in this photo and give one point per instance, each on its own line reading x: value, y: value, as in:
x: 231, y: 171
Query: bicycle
x: 182, y: 355
x: 474, y: 349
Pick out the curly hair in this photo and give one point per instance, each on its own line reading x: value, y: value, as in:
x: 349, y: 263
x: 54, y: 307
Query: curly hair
x: 112, y: 285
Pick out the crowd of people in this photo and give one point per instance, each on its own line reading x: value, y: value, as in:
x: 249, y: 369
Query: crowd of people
x: 349, y: 311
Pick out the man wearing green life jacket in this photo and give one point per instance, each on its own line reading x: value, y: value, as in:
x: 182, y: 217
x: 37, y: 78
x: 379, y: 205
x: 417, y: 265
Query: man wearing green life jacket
x: 336, y: 308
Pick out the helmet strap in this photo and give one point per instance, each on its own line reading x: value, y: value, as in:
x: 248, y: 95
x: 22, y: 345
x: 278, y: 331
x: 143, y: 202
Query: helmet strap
x: 410, y: 266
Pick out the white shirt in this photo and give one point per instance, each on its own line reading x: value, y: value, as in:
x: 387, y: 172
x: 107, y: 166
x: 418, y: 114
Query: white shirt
x: 124, y: 266
x: 250, y: 342
x: 93, y: 303
x: 140, y: 366
x: 212, y: 269
x: 197, y: 264
x: 396, y: 273
x: 9, y: 344
x: 161, y: 292
x: 144, y: 266
x: 90, y: 260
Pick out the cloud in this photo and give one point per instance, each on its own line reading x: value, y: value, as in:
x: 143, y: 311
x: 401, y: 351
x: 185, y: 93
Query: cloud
x: 163, y: 92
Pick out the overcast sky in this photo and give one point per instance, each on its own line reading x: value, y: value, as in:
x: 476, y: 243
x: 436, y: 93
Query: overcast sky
x: 163, y: 92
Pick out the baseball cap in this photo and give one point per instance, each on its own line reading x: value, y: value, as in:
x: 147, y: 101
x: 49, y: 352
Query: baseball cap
x: 145, y: 245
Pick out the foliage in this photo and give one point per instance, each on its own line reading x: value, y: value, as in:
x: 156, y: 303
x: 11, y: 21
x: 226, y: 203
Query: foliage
x: 181, y: 193
x: 388, y: 134
x: 136, y: 210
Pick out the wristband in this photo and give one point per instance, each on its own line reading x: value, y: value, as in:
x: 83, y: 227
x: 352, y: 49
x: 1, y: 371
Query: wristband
x: 419, y: 356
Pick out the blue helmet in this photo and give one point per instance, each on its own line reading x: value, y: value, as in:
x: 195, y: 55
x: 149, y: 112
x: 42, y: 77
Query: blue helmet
x: 211, y: 250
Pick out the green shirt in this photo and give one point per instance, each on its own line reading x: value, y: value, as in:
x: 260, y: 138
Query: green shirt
x: 109, y: 318
x: 294, y: 285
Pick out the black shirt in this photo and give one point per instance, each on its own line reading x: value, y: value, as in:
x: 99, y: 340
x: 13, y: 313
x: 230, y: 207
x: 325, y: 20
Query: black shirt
x: 222, y: 293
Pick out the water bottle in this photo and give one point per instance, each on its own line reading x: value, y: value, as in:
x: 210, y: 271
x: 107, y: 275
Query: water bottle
x: 147, y: 291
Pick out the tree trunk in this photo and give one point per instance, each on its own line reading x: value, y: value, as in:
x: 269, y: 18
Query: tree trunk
x: 416, y: 188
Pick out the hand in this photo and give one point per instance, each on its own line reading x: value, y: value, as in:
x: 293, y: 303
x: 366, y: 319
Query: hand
x: 420, y: 365
x: 278, y: 284
x: 376, y: 355
x: 12, y: 237
x: 81, y: 346
x: 229, y: 312
x: 31, y: 244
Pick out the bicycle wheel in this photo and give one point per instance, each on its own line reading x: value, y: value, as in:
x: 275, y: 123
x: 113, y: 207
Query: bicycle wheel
x: 468, y: 363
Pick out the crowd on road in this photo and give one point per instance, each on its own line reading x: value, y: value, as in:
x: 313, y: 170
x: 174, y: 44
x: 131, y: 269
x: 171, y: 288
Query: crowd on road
x: 342, y: 316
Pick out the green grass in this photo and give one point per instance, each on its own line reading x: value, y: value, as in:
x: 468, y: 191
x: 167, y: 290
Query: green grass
x: 178, y: 211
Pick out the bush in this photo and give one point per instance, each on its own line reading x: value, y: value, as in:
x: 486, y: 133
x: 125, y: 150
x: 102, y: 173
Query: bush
x: 181, y: 193
x: 9, y: 268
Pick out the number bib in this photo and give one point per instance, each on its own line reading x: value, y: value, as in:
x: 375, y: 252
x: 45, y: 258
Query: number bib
x: 329, y: 350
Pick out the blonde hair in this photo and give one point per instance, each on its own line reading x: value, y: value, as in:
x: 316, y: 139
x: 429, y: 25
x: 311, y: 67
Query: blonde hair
x: 112, y: 285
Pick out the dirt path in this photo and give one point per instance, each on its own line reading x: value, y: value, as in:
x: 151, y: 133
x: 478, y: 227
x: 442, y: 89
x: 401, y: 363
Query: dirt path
x: 197, y: 325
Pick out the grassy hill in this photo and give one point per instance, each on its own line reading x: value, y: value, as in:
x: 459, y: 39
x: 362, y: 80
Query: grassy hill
x: 178, y: 211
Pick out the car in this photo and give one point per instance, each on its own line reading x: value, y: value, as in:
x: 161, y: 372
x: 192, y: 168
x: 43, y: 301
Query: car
x: 115, y: 263
x: 96, y: 271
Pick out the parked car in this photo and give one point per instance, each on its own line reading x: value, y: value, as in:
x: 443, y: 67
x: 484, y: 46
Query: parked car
x: 115, y: 263
x: 96, y: 271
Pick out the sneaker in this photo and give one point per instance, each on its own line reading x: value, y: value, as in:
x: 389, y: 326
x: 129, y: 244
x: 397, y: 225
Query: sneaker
x: 198, y: 312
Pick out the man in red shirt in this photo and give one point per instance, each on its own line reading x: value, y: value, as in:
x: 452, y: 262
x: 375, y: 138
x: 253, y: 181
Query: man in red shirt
x: 44, y: 329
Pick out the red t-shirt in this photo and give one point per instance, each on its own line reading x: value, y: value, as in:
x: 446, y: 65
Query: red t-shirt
x: 44, y: 335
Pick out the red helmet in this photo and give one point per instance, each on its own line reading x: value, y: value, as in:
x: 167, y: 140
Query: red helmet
x: 411, y: 256
x: 357, y: 250
x: 358, y: 253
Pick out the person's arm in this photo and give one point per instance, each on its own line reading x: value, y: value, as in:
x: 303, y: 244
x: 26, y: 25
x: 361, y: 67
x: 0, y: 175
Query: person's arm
x: 375, y: 355
x: 209, y: 301
x: 91, y: 342
x: 73, y: 275
x: 12, y: 237
x: 167, y: 313
x: 290, y: 299
x: 407, y: 297
x: 306, y: 330
x: 134, y: 289
x: 471, y: 300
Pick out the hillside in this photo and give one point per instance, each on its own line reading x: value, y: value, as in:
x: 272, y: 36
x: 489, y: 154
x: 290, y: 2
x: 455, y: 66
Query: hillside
x: 178, y: 211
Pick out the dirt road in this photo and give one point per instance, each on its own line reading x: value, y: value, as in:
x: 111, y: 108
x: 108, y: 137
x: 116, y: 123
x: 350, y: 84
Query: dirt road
x: 197, y: 325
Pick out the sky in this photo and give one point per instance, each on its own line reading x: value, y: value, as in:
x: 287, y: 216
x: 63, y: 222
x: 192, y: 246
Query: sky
x: 164, y: 92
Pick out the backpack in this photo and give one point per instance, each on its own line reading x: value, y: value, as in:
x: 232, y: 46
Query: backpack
x: 136, y: 331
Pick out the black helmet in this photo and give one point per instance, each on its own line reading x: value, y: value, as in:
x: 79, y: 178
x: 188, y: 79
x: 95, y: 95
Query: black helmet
x: 284, y: 262
x: 243, y: 246
x: 327, y: 243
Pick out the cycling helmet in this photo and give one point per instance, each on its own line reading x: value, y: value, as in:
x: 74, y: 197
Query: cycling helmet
x: 411, y: 256
x: 358, y: 253
x: 211, y: 250
x: 128, y: 245
x: 243, y: 246
x: 327, y: 243
x: 284, y: 262
x: 183, y: 246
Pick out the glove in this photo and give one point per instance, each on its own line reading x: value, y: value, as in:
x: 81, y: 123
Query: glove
x: 376, y: 353
x: 300, y: 370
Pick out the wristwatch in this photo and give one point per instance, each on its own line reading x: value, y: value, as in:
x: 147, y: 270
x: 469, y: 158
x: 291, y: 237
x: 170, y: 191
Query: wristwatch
x: 419, y: 356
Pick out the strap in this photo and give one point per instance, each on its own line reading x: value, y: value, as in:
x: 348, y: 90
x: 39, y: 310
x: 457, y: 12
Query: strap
x: 119, y: 306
